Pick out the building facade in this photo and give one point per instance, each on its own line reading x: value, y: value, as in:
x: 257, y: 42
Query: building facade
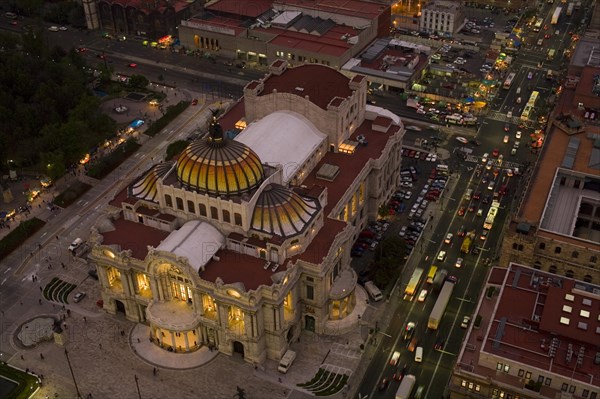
x: 442, y: 17
x: 244, y: 240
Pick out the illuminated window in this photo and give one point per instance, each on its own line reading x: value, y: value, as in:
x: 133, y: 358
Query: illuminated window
x: 506, y: 368
x: 567, y: 309
x: 499, y: 366
x: 565, y: 321
x: 584, y: 313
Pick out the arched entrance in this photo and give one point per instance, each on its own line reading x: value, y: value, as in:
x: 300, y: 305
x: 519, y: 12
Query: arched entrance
x: 120, y: 306
x: 290, y: 334
x: 309, y: 323
x: 238, y: 347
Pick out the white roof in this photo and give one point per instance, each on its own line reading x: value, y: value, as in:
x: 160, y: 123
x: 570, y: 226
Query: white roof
x: 196, y: 240
x: 283, y: 137
x: 373, y: 111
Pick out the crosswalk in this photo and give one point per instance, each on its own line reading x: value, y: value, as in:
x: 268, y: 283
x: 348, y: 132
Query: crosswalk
x: 501, y: 117
x: 505, y: 164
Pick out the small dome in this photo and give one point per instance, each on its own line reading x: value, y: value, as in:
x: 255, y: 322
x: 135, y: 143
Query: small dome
x: 145, y: 187
x: 219, y: 166
x: 280, y: 211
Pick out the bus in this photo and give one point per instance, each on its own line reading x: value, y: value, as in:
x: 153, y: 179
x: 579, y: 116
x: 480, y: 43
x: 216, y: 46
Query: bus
x: 533, y: 98
x: 411, y: 288
x: 440, y: 305
x: 491, y: 215
x: 509, y: 80
x: 526, y: 113
x: 431, y: 274
x: 538, y: 25
x: 454, y: 119
x: 551, y: 54
x: 556, y: 15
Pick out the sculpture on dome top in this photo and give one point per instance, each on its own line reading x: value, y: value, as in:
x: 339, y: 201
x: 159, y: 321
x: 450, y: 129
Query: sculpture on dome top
x: 215, y: 130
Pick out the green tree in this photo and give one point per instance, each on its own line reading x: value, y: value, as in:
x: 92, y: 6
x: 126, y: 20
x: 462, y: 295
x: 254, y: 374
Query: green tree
x: 383, y: 211
x: 176, y: 148
x: 138, y: 82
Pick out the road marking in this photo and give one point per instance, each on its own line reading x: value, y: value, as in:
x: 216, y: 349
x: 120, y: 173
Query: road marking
x: 3, y: 281
x: 7, y: 270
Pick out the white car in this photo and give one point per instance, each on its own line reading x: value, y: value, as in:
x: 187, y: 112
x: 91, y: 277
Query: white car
x: 441, y: 256
x: 465, y: 322
x: 459, y: 263
x: 406, y: 184
x: 485, y: 157
x: 506, y: 138
x: 402, y: 232
x: 75, y: 244
x: 518, y: 134
x: 62, y: 28
x: 509, y: 172
x: 462, y: 140
x: 53, y: 28
x: 448, y: 239
x: 509, y: 114
x: 78, y: 296
x: 421, y: 111
x: 422, y: 296
x: 489, y: 165
x: 395, y: 358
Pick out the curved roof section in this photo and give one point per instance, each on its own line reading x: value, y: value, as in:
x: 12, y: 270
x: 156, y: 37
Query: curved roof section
x: 280, y: 211
x: 320, y: 83
x: 230, y: 168
x: 197, y: 241
x: 145, y: 187
x: 285, y: 138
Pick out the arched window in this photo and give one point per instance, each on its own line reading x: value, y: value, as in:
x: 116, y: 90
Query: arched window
x: 593, y: 259
x: 214, y: 213
x: 179, y: 203
x: 168, y: 201
x: 226, y: 216
x: 542, y: 245
x: 557, y: 250
x: 552, y: 269
x: 238, y: 219
x: 569, y: 273
x: 575, y: 254
x: 202, y: 209
x: 520, y: 247
x: 537, y: 265
x: 587, y: 278
x: 515, y: 245
x: 191, y: 207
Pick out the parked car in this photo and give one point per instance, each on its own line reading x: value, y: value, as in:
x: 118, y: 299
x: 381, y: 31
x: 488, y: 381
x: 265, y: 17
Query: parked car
x: 465, y: 322
x: 78, y: 296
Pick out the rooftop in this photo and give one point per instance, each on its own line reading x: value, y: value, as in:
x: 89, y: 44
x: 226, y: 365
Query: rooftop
x: 540, y: 320
x: 352, y: 8
x: 133, y: 236
x: 252, y: 8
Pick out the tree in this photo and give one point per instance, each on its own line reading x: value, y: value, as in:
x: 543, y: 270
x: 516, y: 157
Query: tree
x: 175, y: 148
x: 138, y: 82
x: 383, y: 211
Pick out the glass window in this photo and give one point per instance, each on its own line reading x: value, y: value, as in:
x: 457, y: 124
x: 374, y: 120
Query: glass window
x: 542, y: 245
x: 548, y: 381
x: 585, y: 393
x: 564, y: 387
x: 506, y: 368
x: 202, y: 209
x: 191, y: 207
x: 179, y: 203
x: 572, y: 389
x: 310, y: 292
x: 593, y: 395
x: 214, y: 213
x: 528, y: 375
x: 463, y: 383
x: 226, y: 216
x: 499, y: 366
x: 237, y: 219
x: 557, y: 250
x: 168, y: 201
x: 521, y: 372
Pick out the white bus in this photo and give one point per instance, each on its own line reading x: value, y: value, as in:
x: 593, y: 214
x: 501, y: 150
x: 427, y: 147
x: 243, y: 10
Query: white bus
x: 440, y: 306
x: 509, y: 80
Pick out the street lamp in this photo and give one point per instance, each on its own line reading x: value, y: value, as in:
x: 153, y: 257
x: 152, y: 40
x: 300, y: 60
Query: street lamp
x: 72, y: 375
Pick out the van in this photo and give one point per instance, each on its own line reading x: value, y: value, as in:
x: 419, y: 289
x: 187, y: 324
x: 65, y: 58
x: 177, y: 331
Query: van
x: 373, y: 291
x: 75, y: 244
x: 540, y: 42
x: 518, y: 90
x: 419, y: 354
x: 286, y: 361
x: 468, y: 194
x: 442, y: 169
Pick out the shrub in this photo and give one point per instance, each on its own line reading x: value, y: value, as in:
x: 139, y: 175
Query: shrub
x: 71, y: 194
x: 19, y: 235
x: 108, y: 163
x: 173, y: 112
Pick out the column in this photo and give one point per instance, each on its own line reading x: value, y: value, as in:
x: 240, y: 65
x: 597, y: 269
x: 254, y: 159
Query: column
x: 154, y: 289
x: 187, y: 344
x: 161, y: 295
x: 103, y: 277
x: 173, y: 341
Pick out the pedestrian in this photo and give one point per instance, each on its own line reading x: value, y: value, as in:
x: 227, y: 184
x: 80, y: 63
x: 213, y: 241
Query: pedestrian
x: 84, y: 319
x: 100, y: 346
x: 62, y: 264
x: 41, y: 356
x: 40, y: 301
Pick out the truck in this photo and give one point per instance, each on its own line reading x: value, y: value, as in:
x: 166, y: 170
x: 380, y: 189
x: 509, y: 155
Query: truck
x: 465, y: 248
x: 411, y: 288
x: 570, y: 9
x: 439, y: 279
x: 435, y: 317
x: 556, y: 15
x: 406, y: 387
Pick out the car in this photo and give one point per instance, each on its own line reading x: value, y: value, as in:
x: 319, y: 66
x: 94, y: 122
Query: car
x: 461, y: 211
x: 407, y: 195
x: 195, y: 101
x: 483, y: 235
x: 475, y: 142
x: 509, y: 172
x: 519, y: 100
x: 462, y: 140
x: 465, y: 322
x: 518, y: 134
x: 495, y: 152
x: 75, y: 244
x: 81, y: 49
x: 53, y: 28
x: 491, y: 185
x: 383, y: 384
x: 505, y: 139
x: 486, y: 199
x: 439, y: 344
x: 479, y: 212
x: 406, y: 184
x: 513, y: 151
x: 441, y: 256
x: 422, y: 295
x: 78, y: 296
x: 402, y: 232
x: 395, y: 358
x: 409, y: 330
x: 485, y: 157
x: 62, y: 28
x: 399, y: 373
x: 461, y: 232
x: 506, y: 127
x: 373, y: 246
x: 471, y: 208
x: 509, y: 114
x: 489, y: 165
x: 448, y: 239
x: 530, y: 75
x: 436, y: 56
x: 459, y: 263
x: 132, y: 65
x: 477, y: 195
